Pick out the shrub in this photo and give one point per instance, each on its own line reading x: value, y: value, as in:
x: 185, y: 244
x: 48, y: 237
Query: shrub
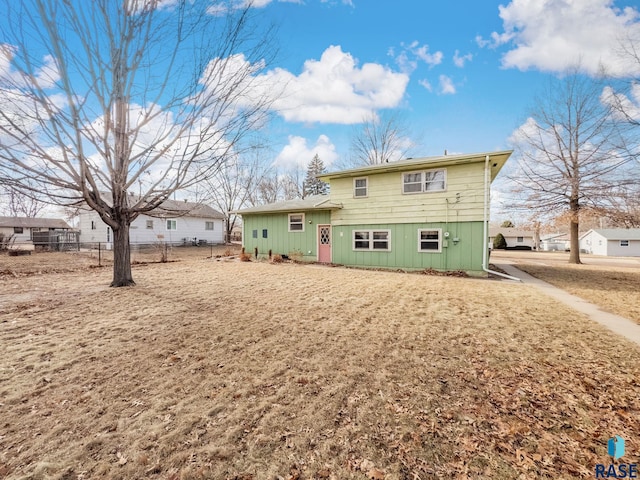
x: 276, y: 258
x: 499, y: 243
x: 245, y: 257
x: 296, y: 255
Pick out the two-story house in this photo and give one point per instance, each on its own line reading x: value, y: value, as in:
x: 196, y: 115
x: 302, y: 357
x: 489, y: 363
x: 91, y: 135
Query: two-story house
x: 425, y: 213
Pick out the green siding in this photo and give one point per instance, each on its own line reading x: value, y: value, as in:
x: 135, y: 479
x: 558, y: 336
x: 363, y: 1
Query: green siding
x: 466, y: 255
x: 279, y: 240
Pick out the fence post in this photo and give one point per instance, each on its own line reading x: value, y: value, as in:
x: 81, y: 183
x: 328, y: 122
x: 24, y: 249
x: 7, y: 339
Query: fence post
x: 99, y: 254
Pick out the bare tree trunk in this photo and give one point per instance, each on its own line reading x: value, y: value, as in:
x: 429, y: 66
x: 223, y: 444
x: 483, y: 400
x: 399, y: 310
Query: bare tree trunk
x: 122, y: 276
x: 574, y: 232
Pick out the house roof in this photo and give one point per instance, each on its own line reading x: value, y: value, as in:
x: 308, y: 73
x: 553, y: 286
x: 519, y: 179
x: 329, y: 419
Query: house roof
x: 174, y: 208
x: 616, y: 233
x: 497, y: 161
x: 28, y: 222
x: 558, y: 237
x: 313, y: 202
x: 509, y: 232
x: 185, y: 209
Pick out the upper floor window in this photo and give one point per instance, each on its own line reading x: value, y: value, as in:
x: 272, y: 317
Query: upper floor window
x: 208, y: 225
x: 93, y: 224
x: 296, y: 222
x: 171, y: 225
x: 426, y: 181
x: 150, y: 224
x: 360, y: 187
x: 18, y: 230
x: 624, y: 243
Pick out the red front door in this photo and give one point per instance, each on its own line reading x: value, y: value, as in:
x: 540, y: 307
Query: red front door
x: 324, y: 243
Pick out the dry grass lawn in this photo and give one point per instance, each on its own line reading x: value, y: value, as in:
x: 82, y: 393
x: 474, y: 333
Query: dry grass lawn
x: 615, y: 289
x: 231, y: 370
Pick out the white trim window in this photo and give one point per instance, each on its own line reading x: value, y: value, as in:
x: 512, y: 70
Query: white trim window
x: 172, y: 225
x: 372, y: 240
x: 361, y: 187
x: 296, y: 222
x: 624, y: 243
x: 208, y: 225
x: 149, y: 224
x: 425, y: 181
x: 430, y: 240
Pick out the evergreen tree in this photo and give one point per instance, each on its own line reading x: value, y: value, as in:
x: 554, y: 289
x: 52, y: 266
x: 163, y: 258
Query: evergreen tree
x: 312, y: 185
x: 499, y: 242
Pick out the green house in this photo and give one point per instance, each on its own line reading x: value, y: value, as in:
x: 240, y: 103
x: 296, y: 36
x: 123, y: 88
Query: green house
x: 415, y: 214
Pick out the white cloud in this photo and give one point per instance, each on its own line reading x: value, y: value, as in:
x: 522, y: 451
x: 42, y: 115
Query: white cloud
x: 446, y: 85
x: 335, y: 89
x: 45, y: 76
x: 224, y: 7
x: 425, y: 83
x: 459, y: 60
x: 622, y: 103
x: 411, y: 55
x: 297, y: 154
x: 552, y: 35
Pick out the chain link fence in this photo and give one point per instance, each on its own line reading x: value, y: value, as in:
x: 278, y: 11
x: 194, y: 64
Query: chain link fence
x: 25, y: 258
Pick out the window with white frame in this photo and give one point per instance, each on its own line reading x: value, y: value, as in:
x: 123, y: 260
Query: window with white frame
x: 296, y: 222
x: 150, y: 224
x: 624, y: 243
x: 430, y: 240
x: 208, y: 225
x: 519, y: 239
x: 360, y: 187
x: 426, y: 181
x: 172, y: 225
x: 379, y: 240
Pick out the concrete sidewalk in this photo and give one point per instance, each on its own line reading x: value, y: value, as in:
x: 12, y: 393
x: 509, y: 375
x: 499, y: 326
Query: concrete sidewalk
x: 620, y: 325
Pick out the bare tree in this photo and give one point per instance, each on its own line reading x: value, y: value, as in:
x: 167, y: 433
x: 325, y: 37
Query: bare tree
x: 233, y: 187
x: 103, y: 98
x: 268, y: 190
x: 380, y: 139
x: 19, y: 204
x: 571, y: 150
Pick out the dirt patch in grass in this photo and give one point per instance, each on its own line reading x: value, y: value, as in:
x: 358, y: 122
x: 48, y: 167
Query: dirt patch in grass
x: 234, y: 370
x: 616, y: 289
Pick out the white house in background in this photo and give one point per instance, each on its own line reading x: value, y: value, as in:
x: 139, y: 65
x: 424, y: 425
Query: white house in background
x: 514, y: 237
x: 173, y: 222
x: 22, y: 228
x: 554, y: 242
x: 612, y: 242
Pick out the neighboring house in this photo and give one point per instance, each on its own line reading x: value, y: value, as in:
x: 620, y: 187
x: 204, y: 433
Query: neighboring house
x: 555, y: 242
x: 514, y: 237
x: 412, y: 214
x: 616, y: 242
x: 174, y: 222
x: 23, y: 228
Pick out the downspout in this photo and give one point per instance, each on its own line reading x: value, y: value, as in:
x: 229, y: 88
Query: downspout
x: 485, y: 225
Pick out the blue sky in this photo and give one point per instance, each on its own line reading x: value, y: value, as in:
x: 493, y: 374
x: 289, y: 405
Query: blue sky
x: 463, y: 74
